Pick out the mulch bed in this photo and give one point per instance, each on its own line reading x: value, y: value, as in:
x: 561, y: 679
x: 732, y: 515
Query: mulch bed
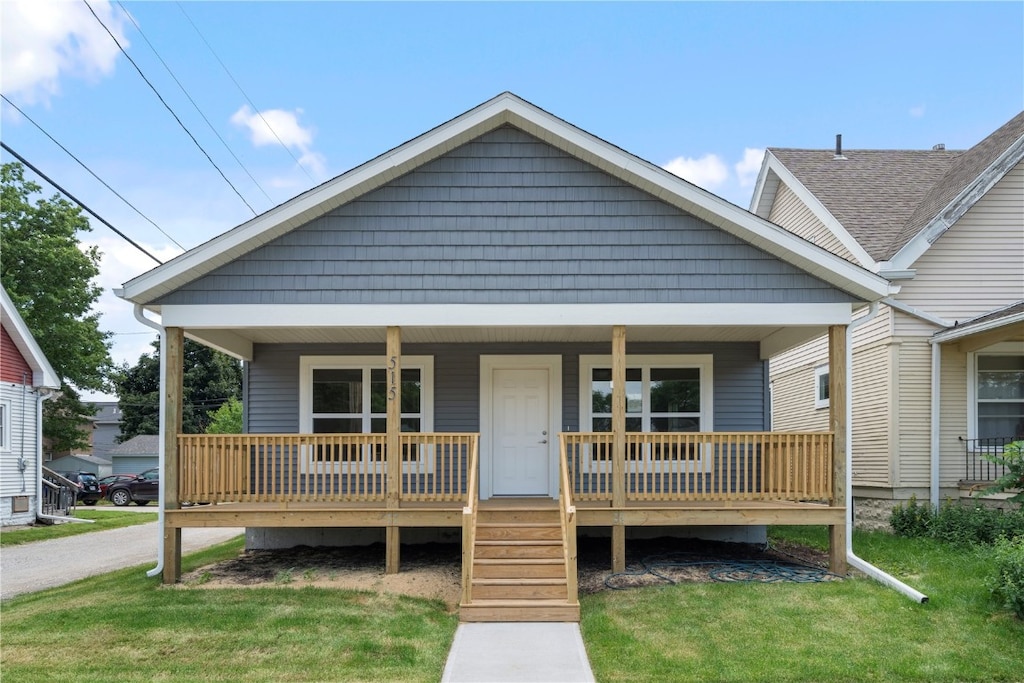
x: 649, y: 562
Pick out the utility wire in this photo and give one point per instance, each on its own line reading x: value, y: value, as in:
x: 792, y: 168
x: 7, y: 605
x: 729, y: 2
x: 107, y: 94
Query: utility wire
x: 247, y: 99
x: 200, y: 111
x: 78, y: 201
x: 82, y: 164
x: 167, y: 106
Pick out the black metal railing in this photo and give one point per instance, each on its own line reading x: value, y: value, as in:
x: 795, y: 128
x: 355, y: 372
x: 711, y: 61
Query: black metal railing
x: 978, y: 468
x: 59, y: 494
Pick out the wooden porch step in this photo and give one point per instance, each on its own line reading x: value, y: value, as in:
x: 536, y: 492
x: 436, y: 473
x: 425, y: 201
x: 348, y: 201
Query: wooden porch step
x: 532, y: 550
x: 511, y: 568
x: 497, y: 532
x: 516, y: 610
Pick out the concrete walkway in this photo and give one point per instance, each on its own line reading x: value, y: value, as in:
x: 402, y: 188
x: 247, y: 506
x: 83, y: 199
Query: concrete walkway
x: 518, y: 653
x: 47, y: 564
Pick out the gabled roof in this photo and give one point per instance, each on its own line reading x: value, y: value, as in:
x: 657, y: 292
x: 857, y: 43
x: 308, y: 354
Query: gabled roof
x: 43, y: 374
x: 893, y: 203
x: 505, y: 109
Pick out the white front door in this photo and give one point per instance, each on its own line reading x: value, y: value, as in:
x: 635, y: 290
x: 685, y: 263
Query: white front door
x: 520, y: 440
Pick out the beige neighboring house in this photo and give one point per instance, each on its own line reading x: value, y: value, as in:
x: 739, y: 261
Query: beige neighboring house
x: 938, y: 372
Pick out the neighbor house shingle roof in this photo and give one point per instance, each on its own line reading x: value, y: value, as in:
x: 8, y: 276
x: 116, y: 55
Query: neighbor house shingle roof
x: 884, y: 198
x: 144, y: 444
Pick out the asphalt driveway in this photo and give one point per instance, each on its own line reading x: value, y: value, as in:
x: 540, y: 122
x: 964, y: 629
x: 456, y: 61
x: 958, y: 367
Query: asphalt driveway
x: 46, y: 564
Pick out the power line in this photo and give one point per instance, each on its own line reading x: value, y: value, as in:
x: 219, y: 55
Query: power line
x: 247, y: 99
x: 200, y: 111
x: 78, y: 201
x: 82, y: 164
x: 167, y: 106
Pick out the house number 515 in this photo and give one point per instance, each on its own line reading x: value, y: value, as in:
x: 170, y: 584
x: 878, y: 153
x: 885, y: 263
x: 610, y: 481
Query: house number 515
x: 392, y: 382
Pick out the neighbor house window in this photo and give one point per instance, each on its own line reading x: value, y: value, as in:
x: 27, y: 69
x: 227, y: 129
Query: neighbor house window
x: 349, y: 395
x: 5, y: 426
x: 663, y: 394
x: 821, y: 387
x: 998, y: 395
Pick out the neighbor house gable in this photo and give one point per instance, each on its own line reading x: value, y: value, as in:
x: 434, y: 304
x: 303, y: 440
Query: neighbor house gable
x: 504, y: 110
x: 25, y: 348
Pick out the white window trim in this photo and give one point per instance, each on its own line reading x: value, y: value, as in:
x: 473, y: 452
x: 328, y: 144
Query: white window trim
x: 307, y: 364
x: 703, y: 362
x: 5, y: 418
x: 1002, y: 349
x: 820, y: 402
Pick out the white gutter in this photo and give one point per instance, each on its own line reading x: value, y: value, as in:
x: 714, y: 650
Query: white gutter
x: 854, y: 561
x: 45, y: 395
x: 916, y: 312
x: 159, y: 568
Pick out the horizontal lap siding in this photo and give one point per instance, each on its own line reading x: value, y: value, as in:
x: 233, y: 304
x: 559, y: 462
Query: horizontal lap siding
x: 974, y: 267
x: 789, y: 211
x: 872, y: 407
x: 21, y: 441
x: 273, y: 385
x: 914, y: 412
x: 953, y: 418
x: 506, y: 219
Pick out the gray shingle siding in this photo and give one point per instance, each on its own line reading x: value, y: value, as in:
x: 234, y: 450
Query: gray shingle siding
x: 506, y: 219
x: 740, y: 390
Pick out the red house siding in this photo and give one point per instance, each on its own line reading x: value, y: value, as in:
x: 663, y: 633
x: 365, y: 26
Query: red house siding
x: 13, y: 367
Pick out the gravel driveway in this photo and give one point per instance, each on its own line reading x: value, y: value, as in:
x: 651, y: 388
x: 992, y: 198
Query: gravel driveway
x: 46, y: 564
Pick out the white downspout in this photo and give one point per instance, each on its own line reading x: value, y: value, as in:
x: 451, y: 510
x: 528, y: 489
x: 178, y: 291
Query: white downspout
x: 854, y: 561
x: 159, y: 568
x: 44, y: 395
x: 936, y: 419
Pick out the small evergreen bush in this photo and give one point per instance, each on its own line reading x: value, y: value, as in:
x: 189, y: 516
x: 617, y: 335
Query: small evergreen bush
x: 1008, y: 583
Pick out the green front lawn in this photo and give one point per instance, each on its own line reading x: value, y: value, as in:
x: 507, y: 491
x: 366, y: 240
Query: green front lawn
x: 126, y: 627
x: 853, y: 630
x: 103, y: 519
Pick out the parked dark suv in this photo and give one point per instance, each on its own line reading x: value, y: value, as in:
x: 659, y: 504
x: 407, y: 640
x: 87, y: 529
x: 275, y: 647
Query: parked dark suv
x: 144, y: 488
x: 88, y: 490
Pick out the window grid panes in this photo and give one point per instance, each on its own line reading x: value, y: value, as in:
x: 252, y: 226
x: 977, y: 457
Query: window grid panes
x: 1000, y: 396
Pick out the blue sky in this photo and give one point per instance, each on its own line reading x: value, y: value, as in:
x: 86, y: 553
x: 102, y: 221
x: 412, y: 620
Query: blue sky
x: 699, y: 88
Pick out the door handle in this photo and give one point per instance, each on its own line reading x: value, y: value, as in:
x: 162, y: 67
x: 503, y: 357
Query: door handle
x: 544, y: 441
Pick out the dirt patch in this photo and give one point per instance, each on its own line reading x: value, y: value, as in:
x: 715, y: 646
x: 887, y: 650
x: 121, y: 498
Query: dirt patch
x: 433, y: 570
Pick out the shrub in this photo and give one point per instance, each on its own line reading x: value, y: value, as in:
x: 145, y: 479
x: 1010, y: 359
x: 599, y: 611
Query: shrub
x: 1012, y: 458
x: 1008, y: 583
x: 954, y: 523
x: 912, y: 520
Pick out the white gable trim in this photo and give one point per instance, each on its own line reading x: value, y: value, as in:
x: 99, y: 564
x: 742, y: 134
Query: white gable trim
x: 43, y: 374
x: 905, y: 258
x: 506, y: 109
x: 772, y: 167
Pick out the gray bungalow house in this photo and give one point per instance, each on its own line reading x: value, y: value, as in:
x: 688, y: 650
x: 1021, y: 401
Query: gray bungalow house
x: 509, y: 327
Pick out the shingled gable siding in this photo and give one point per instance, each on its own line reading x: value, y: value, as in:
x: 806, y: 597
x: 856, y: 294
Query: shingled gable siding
x: 273, y: 389
x: 506, y: 219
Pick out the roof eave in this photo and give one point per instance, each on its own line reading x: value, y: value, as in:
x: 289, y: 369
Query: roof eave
x: 43, y: 374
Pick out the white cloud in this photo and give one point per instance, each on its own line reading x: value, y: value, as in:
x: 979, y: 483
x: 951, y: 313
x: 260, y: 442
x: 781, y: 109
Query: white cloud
x: 917, y: 112
x: 748, y: 168
x: 707, y: 172
x: 277, y: 126
x: 43, y: 40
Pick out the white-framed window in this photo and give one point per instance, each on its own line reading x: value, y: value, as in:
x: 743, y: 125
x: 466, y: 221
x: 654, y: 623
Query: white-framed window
x: 821, y: 379
x: 349, y: 395
x: 996, y: 392
x: 5, y: 426
x: 665, y: 394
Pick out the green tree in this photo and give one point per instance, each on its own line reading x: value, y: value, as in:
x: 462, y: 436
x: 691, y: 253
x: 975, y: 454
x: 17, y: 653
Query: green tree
x: 227, y: 419
x: 211, y: 378
x: 50, y: 280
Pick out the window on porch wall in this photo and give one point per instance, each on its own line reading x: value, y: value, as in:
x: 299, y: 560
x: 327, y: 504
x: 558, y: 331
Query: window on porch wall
x: 348, y: 395
x: 663, y: 395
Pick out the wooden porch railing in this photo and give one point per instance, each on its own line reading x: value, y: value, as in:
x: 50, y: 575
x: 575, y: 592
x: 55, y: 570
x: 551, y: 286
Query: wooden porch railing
x: 567, y: 512
x: 469, y: 516
x: 275, y: 468
x: 760, y: 466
